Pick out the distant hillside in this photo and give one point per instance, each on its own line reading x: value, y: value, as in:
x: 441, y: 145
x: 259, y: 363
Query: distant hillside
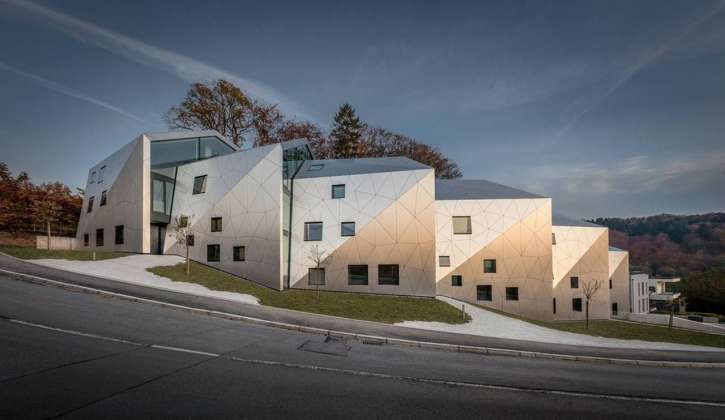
x: 670, y: 245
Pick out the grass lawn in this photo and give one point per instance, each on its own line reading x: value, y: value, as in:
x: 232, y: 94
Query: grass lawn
x: 30, y: 253
x: 380, y: 308
x: 629, y: 331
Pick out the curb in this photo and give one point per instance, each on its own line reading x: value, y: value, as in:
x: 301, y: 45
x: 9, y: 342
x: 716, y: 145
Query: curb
x: 364, y: 338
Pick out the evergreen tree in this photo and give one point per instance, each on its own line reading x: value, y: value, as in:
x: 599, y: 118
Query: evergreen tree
x: 347, y: 132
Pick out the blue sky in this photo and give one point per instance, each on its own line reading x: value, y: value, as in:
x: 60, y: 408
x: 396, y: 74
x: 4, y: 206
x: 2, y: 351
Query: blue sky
x: 613, y: 108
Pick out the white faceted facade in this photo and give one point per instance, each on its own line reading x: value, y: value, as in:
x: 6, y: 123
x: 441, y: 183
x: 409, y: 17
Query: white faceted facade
x: 393, y: 213
x: 619, y: 281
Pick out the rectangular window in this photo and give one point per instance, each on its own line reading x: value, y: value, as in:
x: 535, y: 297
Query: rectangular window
x: 158, y: 203
x: 103, y: 198
x: 489, y: 266
x: 554, y: 305
x: 610, y: 283
x: 190, y: 240
x: 357, y: 275
x: 483, y: 292
x: 574, y: 281
x: 93, y: 178
x: 238, y: 254
x: 86, y: 240
x: 90, y: 205
x: 347, y: 229
x: 461, y: 225
x: 456, y: 280
x: 101, y: 174
x: 99, y: 237
x: 199, y: 184
x: 183, y: 221
x: 389, y: 274
x: 216, y: 224
x: 444, y: 261
x: 119, y: 235
x: 313, y: 231
x: 316, y: 277
x: 512, y: 293
x: 576, y: 304
x: 614, y: 308
x: 213, y: 253
x: 338, y: 191
x: 553, y: 238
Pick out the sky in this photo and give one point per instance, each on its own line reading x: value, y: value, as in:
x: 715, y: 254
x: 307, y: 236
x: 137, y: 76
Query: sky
x: 612, y: 108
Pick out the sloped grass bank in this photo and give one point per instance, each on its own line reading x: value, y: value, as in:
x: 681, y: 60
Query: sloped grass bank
x: 30, y: 253
x: 380, y: 308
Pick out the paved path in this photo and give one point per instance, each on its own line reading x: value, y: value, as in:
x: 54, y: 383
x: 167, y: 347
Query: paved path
x: 490, y: 324
x: 73, y: 355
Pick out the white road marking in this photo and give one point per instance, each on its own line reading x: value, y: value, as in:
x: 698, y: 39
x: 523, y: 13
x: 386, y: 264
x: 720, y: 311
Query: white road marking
x: 182, y: 350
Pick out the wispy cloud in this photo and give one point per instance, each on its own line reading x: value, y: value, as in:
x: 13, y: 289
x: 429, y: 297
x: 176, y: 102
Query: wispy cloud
x: 65, y: 90
x: 183, y: 67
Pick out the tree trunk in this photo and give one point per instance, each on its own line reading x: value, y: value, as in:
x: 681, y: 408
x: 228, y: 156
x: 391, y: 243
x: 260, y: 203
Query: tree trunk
x: 188, y: 263
x: 587, y: 311
x: 48, y: 227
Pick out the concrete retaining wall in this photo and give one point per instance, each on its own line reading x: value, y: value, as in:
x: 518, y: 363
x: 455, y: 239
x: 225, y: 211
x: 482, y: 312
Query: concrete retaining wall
x: 56, y: 242
x: 661, y: 319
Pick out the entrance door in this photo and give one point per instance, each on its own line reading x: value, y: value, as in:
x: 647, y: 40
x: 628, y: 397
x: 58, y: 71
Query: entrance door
x: 158, y: 232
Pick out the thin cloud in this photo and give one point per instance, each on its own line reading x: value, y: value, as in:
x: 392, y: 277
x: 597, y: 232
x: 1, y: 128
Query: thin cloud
x: 65, y: 90
x: 183, y: 67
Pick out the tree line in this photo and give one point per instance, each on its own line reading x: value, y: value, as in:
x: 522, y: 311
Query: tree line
x: 222, y: 106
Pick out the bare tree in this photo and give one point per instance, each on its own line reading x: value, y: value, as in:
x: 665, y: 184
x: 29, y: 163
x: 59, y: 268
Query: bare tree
x: 590, y: 288
x: 184, y: 234
x: 317, y: 255
x: 46, y: 212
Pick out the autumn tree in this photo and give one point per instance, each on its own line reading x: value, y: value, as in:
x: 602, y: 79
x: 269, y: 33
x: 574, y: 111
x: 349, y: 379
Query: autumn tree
x: 589, y: 289
x: 347, y: 132
x: 46, y: 211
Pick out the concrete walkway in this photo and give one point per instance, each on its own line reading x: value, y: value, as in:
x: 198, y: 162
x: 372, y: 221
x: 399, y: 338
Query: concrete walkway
x: 490, y: 324
x: 132, y: 269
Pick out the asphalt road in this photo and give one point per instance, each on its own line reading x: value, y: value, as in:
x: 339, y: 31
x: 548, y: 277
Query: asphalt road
x: 75, y: 355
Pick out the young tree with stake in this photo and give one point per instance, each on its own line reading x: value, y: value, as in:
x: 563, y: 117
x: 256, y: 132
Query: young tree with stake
x: 590, y: 289
x: 182, y: 230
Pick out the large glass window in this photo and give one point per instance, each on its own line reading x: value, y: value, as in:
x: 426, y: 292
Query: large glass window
x: 212, y: 146
x: 159, y: 203
x: 176, y: 152
x: 347, y: 229
x: 389, y: 274
x: 357, y: 275
x: 461, y: 225
x: 483, y: 292
x: 313, y: 231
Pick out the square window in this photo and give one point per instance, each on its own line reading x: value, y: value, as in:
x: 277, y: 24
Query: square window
x: 90, y: 205
x: 213, y: 253
x: 576, y: 304
x: 313, y: 231
x: 239, y: 253
x: 316, y: 167
x: 119, y: 235
x: 389, y: 274
x: 444, y: 260
x: 512, y: 293
x: 99, y: 237
x: 190, y: 240
x: 86, y: 240
x: 103, y: 198
x: 357, y: 275
x: 183, y: 221
x: 316, y: 277
x: 483, y: 292
x: 216, y: 224
x: 461, y: 225
x: 347, y: 229
x: 489, y: 266
x: 456, y: 280
x: 574, y: 281
x: 199, y: 184
x: 338, y: 191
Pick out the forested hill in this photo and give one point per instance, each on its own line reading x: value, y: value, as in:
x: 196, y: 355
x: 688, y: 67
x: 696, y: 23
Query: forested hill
x: 668, y: 244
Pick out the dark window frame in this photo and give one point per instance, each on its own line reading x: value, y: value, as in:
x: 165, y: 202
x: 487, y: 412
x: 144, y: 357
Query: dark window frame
x: 484, y: 292
x: 199, y: 188
x: 104, y: 198
x: 440, y: 261
x: 512, y: 293
x: 489, y: 269
x: 358, y: 281
x: 239, y: 253
x: 332, y: 192
x: 307, y: 231
x: 189, y: 240
x: 455, y: 283
x: 183, y: 221
x: 119, y: 239
x: 90, y: 204
x: 574, y: 282
x: 100, y: 240
x: 211, y: 255
x: 86, y: 239
x: 576, y: 304
x: 309, y: 276
x: 393, y: 279
x: 216, y: 224
x: 342, y: 229
x: 469, y: 226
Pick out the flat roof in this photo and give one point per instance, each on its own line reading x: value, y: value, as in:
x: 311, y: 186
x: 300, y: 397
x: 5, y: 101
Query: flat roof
x: 340, y: 167
x: 476, y: 189
x: 561, y: 220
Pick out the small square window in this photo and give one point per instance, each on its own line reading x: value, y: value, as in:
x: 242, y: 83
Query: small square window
x: 483, y: 292
x: 338, y: 191
x: 183, y: 221
x: 444, y: 261
x: 99, y: 237
x: 574, y: 281
x: 239, y: 252
x: 199, y: 184
x: 389, y: 274
x: 489, y: 266
x: 512, y: 293
x: 103, y: 198
x: 216, y: 224
x: 213, y: 253
x: 90, y: 205
x: 316, y: 277
x: 86, y: 239
x: 190, y: 240
x: 461, y: 225
x: 347, y: 229
x: 316, y: 167
x: 357, y: 275
x: 576, y: 304
x: 119, y: 235
x: 456, y: 280
x: 313, y: 231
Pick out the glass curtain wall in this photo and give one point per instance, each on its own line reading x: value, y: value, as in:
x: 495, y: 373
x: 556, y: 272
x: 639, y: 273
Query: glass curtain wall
x: 292, y: 160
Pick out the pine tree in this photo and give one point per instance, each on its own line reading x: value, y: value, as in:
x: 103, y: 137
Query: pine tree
x: 347, y: 132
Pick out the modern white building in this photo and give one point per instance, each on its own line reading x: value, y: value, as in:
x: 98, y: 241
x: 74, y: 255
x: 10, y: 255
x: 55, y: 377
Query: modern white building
x: 639, y: 292
x: 279, y: 217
